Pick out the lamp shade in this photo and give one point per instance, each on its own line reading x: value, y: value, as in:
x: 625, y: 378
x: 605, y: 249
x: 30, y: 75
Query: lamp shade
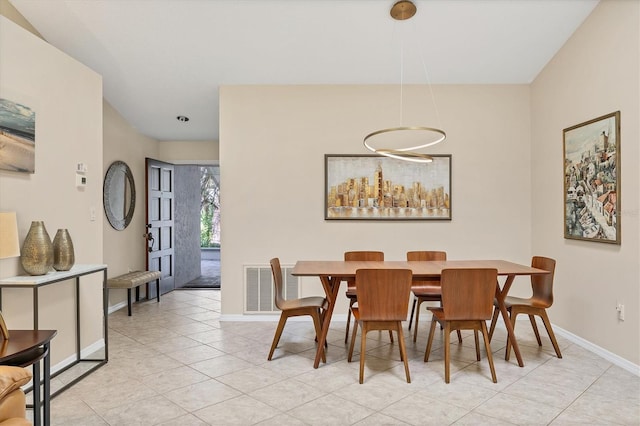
x: 9, y: 244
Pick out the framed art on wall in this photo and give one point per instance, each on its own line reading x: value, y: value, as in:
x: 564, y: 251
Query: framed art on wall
x: 592, y: 180
x: 17, y: 137
x: 373, y: 187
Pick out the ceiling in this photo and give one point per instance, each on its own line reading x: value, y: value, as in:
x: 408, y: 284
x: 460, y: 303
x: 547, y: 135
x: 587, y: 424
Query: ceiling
x: 163, y: 58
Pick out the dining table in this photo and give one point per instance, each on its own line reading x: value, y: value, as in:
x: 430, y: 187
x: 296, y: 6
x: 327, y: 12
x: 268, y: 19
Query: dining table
x: 333, y: 272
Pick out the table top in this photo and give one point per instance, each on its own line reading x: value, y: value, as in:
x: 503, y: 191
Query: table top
x: 50, y: 277
x: 341, y: 268
x: 21, y: 342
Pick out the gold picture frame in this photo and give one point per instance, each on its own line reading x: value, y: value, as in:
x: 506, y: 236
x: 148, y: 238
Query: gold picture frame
x: 374, y: 187
x: 592, y: 180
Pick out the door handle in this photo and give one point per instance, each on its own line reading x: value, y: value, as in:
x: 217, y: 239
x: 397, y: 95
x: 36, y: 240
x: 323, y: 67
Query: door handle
x: 150, y: 240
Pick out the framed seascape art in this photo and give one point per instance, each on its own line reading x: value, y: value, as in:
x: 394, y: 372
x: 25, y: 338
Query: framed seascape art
x: 374, y: 187
x: 17, y: 137
x: 592, y: 180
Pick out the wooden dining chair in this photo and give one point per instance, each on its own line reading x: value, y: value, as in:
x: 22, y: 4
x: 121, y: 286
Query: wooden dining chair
x: 537, y: 304
x: 383, y: 297
x: 467, y: 300
x: 425, y: 290
x: 313, y: 306
x: 350, y: 256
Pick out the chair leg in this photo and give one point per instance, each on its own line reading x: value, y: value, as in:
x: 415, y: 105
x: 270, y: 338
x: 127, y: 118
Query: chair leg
x: 532, y: 319
x: 447, y: 354
x: 415, y: 330
x: 487, y: 346
x: 413, y: 309
x: 346, y: 332
x: 321, y: 316
x: 547, y: 325
x: 276, y: 338
x: 475, y: 336
x: 322, y: 312
x: 494, y: 320
x: 363, y: 348
x: 390, y: 336
x: 432, y: 330
x: 403, y: 351
x: 459, y: 337
x: 353, y: 340
x: 316, y: 323
x: 513, y: 316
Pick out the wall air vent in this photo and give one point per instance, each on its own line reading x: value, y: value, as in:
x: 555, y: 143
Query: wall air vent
x: 259, y: 288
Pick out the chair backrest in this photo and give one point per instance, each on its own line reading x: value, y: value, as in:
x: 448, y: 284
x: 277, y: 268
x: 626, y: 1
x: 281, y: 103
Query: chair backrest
x: 542, y: 285
x: 277, y: 282
x: 363, y: 255
x: 383, y: 294
x: 350, y: 256
x: 467, y: 293
x: 426, y: 255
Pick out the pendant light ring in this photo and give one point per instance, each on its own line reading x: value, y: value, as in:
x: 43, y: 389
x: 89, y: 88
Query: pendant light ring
x: 416, y: 157
x: 407, y: 151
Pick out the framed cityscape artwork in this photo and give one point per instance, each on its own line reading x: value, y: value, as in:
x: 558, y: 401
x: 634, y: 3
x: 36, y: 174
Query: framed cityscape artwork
x: 374, y: 187
x: 592, y: 180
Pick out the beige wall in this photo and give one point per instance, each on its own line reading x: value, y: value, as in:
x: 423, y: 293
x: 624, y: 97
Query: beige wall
x: 595, y: 73
x: 507, y: 196
x: 125, y: 250
x: 273, y: 141
x: 189, y: 152
x: 70, y: 130
x: 67, y: 99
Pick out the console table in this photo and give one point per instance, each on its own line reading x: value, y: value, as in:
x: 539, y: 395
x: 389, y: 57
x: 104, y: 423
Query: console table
x: 36, y: 281
x: 25, y: 348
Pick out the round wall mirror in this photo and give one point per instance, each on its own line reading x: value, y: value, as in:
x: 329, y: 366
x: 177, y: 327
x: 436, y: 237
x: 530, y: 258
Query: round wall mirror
x: 119, y: 195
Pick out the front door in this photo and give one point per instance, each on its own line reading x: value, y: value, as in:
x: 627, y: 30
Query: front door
x: 160, y: 216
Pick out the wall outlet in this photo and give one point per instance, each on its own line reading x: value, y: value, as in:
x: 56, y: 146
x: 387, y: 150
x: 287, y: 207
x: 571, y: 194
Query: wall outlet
x: 620, y: 309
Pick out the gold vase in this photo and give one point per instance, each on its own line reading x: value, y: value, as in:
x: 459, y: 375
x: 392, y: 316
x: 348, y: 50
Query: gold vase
x: 37, y: 250
x: 63, y: 256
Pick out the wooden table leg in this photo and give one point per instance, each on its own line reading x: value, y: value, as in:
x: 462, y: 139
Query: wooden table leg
x: 500, y: 296
x: 331, y: 286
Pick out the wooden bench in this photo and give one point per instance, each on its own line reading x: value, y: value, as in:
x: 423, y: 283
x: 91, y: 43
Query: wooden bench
x: 134, y: 280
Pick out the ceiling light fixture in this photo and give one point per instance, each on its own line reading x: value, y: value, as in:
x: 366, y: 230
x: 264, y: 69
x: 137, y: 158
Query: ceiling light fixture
x: 182, y: 118
x: 405, y: 135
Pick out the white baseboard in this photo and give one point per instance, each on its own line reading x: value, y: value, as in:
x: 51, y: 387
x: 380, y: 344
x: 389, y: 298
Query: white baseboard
x: 96, y: 346
x: 117, y: 306
x: 275, y: 317
x: 609, y: 356
x: 591, y: 347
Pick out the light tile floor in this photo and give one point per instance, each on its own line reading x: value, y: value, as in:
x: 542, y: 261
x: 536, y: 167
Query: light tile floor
x: 176, y: 363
